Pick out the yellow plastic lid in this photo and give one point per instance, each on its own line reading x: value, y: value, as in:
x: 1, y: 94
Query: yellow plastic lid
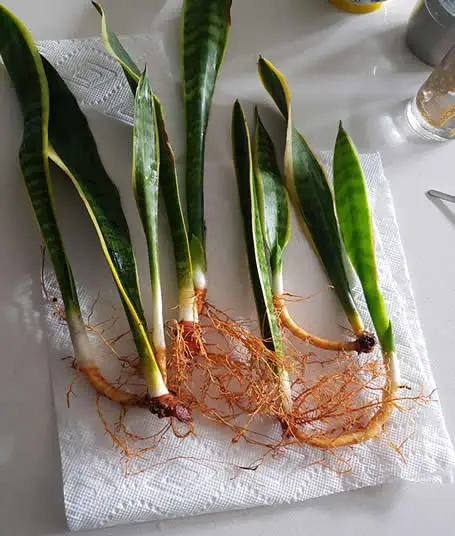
x: 347, y: 5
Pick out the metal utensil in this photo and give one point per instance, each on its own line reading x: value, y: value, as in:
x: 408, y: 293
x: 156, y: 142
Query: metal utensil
x: 441, y: 195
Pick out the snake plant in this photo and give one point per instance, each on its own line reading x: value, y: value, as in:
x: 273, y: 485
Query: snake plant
x: 146, y: 172
x: 356, y: 229
x: 168, y: 180
x: 254, y: 237
x: 311, y: 195
x: 51, y: 113
x: 274, y: 207
x: 204, y: 37
x: 331, y: 233
x: 205, y: 32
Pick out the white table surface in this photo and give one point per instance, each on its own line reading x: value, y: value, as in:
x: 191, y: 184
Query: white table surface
x: 368, y: 93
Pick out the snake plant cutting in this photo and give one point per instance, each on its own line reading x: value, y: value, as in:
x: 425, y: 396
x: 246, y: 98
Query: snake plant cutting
x: 354, y: 216
x: 265, y: 211
x: 146, y: 178
x: 51, y: 114
x: 310, y: 192
x: 257, y: 255
x: 205, y: 33
x: 168, y: 181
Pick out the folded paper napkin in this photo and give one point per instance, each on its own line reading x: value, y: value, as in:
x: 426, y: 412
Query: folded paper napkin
x: 205, y: 473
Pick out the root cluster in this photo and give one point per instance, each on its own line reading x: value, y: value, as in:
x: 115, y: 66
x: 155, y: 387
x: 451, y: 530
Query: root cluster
x: 221, y: 370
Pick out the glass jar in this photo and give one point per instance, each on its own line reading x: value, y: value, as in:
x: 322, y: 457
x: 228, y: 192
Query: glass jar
x: 432, y: 111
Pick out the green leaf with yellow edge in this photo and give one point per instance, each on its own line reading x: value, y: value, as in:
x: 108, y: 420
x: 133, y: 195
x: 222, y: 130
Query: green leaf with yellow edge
x: 273, y: 199
x: 146, y: 181
x: 51, y: 113
x: 257, y: 255
x: 75, y: 151
x: 169, y: 186
x: 26, y: 71
x: 356, y: 228
x: 311, y: 195
x: 205, y: 32
x: 117, y: 51
x: 168, y: 176
x: 255, y: 243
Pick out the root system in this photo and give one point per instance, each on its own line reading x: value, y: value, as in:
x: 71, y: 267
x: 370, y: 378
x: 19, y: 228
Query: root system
x: 222, y: 371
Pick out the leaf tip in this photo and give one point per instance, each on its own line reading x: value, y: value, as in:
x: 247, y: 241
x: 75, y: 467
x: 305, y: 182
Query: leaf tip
x: 341, y: 134
x: 143, y: 87
x: 341, y: 130
x: 228, y: 12
x: 258, y: 120
x: 262, y: 63
x: 98, y: 7
x: 236, y: 110
x: 237, y: 113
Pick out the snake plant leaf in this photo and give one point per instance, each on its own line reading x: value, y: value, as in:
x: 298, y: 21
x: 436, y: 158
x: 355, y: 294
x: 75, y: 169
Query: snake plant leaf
x: 146, y: 180
x: 256, y: 248
x: 23, y: 63
x: 356, y: 228
x: 146, y: 162
x: 205, y: 31
x: 311, y: 195
x: 273, y: 199
x: 257, y: 256
x: 170, y: 188
x: 117, y: 51
x: 28, y: 75
x: 74, y: 150
x: 168, y: 176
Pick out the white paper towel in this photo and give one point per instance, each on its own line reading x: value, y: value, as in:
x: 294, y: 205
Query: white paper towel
x: 201, y: 474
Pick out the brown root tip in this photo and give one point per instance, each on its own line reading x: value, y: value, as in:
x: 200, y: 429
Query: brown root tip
x: 201, y: 295
x: 169, y: 405
x: 366, y: 342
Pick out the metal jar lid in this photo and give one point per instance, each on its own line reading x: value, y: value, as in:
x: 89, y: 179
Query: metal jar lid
x: 431, y: 30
